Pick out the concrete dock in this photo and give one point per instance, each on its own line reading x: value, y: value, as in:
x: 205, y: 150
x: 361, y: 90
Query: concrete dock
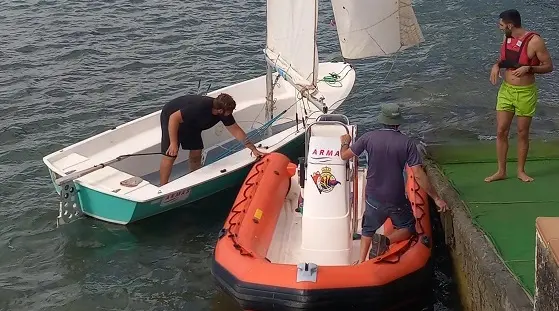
x: 491, y: 228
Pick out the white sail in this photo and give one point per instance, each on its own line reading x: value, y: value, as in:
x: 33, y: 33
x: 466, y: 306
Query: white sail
x: 368, y: 28
x: 291, y: 39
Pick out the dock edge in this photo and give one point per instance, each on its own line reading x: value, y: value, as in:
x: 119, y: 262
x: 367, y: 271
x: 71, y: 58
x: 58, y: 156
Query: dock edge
x: 484, y: 282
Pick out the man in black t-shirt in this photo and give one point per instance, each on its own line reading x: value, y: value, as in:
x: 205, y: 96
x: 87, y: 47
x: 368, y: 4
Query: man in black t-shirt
x: 182, y: 121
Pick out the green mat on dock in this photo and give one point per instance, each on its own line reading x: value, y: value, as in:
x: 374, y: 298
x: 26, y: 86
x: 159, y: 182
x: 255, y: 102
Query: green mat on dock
x: 506, y: 210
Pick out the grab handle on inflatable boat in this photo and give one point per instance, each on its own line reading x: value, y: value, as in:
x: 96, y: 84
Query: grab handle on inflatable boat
x: 355, y: 195
x: 302, y: 176
x: 306, y: 272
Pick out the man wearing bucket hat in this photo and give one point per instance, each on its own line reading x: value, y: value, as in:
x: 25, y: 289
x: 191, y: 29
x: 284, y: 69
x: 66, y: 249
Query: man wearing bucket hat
x: 389, y: 151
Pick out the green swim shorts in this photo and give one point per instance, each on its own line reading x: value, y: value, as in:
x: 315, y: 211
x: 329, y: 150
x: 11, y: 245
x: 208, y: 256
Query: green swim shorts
x: 518, y: 99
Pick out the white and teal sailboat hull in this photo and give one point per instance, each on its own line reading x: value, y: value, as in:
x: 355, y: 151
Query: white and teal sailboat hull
x: 112, y: 177
x: 103, y: 192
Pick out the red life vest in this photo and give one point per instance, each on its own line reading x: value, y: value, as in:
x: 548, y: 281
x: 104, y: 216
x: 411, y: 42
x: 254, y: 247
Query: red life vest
x: 516, y: 50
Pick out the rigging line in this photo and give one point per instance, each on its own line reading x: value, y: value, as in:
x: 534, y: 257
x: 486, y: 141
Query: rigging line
x: 254, y: 134
x: 266, y: 98
x: 305, y: 104
x: 335, y: 77
x: 349, y: 96
x: 281, y: 140
x: 259, y: 131
x: 262, y: 123
x: 306, y: 113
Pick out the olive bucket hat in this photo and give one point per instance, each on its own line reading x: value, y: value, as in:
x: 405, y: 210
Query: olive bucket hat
x: 390, y: 114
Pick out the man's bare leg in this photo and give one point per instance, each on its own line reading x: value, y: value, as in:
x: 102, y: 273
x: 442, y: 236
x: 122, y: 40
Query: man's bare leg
x: 195, y: 160
x: 165, y: 169
x: 504, y: 119
x: 365, y: 245
x: 523, y: 124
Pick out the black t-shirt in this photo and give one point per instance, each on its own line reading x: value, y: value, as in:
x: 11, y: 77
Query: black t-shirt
x: 196, y: 111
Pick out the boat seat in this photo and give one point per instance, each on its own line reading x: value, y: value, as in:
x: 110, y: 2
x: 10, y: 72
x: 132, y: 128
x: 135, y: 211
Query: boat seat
x: 107, y: 178
x: 67, y: 163
x: 133, y: 144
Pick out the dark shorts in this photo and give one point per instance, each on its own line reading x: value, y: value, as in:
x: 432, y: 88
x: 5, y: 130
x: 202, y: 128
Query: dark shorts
x: 376, y: 214
x: 189, y: 139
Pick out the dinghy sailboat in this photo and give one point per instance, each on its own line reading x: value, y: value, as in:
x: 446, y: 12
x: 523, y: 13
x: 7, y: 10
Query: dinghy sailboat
x: 114, y: 176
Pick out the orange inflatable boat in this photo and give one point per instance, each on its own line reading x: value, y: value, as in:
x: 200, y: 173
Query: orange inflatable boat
x: 270, y: 255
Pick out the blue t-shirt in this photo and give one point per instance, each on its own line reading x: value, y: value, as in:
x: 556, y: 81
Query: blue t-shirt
x: 388, y: 151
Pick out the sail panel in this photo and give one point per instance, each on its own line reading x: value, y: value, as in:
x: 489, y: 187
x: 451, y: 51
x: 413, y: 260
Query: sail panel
x: 369, y: 28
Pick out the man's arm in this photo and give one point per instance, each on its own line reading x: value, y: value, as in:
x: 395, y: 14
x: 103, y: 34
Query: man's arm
x: 175, y: 119
x: 346, y: 152
x: 415, y: 162
x: 546, y: 65
x: 240, y: 135
x: 423, y: 181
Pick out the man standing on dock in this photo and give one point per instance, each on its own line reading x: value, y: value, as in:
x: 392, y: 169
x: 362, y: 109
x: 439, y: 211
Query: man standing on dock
x: 389, y: 152
x: 182, y: 121
x: 523, y: 54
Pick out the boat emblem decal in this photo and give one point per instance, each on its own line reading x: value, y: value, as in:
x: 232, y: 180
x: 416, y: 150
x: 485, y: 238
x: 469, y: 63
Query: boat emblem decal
x: 324, y: 180
x: 176, y: 196
x: 324, y: 155
x: 325, y: 152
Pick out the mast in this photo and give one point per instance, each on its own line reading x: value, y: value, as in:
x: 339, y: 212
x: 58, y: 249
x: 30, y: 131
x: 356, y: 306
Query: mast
x: 269, y: 110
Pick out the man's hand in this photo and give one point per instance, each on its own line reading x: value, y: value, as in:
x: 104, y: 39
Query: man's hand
x: 345, y: 139
x: 172, y: 150
x: 495, y: 74
x: 441, y: 205
x: 521, y: 71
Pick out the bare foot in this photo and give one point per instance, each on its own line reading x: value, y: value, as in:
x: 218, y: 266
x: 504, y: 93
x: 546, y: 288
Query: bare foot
x: 524, y: 177
x: 495, y: 177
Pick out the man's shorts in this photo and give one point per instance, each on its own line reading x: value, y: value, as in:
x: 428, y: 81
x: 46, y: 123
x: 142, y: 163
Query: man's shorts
x: 189, y: 139
x: 376, y: 214
x: 518, y: 99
